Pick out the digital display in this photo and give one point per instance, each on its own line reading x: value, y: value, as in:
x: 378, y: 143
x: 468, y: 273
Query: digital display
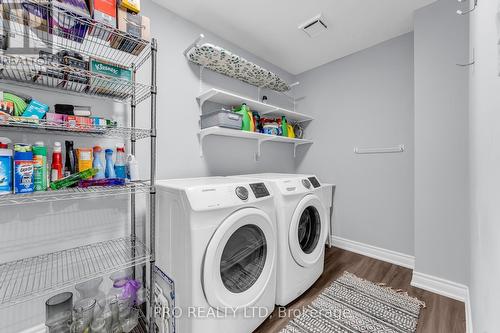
x: 315, y: 182
x: 260, y: 190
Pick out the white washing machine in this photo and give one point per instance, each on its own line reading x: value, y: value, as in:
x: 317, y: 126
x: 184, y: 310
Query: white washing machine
x: 216, y: 237
x: 302, y: 211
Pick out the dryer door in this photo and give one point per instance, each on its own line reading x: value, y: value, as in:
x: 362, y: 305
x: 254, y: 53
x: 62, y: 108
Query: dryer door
x: 240, y: 260
x: 308, y: 231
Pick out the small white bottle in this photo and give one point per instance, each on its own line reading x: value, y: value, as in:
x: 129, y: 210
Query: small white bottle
x: 133, y: 168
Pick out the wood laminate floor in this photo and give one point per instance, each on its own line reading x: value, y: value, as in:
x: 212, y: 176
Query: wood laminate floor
x: 442, y: 314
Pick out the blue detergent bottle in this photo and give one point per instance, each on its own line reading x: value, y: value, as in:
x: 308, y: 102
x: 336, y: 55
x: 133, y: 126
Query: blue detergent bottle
x: 5, y: 166
x: 110, y: 168
x: 120, y: 163
x: 97, y: 164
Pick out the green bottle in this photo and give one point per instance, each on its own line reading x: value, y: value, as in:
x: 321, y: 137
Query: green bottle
x: 243, y: 110
x: 73, y: 179
x: 284, y: 128
x: 40, y: 166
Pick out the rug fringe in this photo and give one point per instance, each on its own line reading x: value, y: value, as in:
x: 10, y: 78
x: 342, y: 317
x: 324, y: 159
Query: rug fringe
x: 384, y: 285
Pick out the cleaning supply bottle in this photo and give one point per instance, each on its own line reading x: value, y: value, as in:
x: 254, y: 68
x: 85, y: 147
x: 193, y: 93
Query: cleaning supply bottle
x: 97, y: 164
x: 56, y: 166
x: 252, y: 121
x: 120, y: 164
x: 133, y: 168
x: 284, y: 127
x: 23, y: 169
x: 110, y: 168
x: 72, y: 179
x: 40, y: 166
x: 71, y: 159
x: 243, y: 110
x: 5, y: 166
x: 84, y: 158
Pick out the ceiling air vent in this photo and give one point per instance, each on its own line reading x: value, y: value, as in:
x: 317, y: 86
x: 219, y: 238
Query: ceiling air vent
x: 315, y: 26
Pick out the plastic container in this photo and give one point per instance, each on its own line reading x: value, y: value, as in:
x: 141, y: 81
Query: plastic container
x: 284, y: 127
x: 5, y: 166
x: 71, y: 159
x: 97, y: 164
x: 221, y: 118
x: 133, y: 168
x: 243, y: 111
x: 120, y: 163
x: 56, y: 166
x: 72, y: 179
x: 40, y: 166
x: 23, y: 169
x: 271, y: 129
x: 109, y: 172
x: 84, y: 158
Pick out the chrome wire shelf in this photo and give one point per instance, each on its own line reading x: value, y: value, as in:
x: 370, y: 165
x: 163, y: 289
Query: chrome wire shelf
x: 67, y: 128
x: 38, y: 73
x: 50, y: 26
x: 33, y: 277
x: 74, y: 193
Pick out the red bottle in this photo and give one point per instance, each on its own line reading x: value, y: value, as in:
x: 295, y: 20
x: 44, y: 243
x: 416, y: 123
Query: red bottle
x: 57, y: 166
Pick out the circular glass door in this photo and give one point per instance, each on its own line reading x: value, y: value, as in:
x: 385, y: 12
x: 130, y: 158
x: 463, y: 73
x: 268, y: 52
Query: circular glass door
x: 239, y: 263
x: 309, y: 229
x: 243, y: 258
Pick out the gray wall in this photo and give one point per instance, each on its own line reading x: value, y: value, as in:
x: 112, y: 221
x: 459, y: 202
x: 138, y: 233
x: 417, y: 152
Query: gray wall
x: 485, y: 163
x: 365, y: 100
x: 441, y: 143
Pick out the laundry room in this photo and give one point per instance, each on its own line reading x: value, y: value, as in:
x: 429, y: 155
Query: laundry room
x: 249, y: 167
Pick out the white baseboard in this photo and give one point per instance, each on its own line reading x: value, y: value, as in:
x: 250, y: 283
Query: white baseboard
x: 445, y: 288
x: 468, y: 314
x: 371, y: 251
x: 440, y: 286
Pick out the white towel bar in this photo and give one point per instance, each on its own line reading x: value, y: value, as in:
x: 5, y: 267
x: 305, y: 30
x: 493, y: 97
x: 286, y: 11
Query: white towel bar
x: 397, y: 149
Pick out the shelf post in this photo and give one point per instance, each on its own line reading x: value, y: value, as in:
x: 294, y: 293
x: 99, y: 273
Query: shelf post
x: 152, y: 196
x: 132, y: 151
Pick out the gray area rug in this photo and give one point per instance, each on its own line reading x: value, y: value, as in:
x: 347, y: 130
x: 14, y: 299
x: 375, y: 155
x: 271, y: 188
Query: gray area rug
x: 351, y: 304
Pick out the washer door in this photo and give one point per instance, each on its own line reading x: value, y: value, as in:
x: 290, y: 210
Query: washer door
x: 239, y: 260
x: 307, y: 234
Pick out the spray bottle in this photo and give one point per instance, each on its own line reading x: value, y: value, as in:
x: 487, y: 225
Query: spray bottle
x: 40, y: 166
x: 5, y: 166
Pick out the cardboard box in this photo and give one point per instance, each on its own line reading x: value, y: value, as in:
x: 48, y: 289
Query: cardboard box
x: 132, y: 5
x: 134, y: 25
x: 111, y: 71
x: 103, y: 11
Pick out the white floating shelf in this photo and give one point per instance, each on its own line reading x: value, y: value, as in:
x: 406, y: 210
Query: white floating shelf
x: 259, y: 137
x: 228, y: 98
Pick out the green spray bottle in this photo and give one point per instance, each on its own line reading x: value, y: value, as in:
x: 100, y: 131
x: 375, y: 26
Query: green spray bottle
x: 243, y: 110
x: 284, y: 127
x: 40, y: 166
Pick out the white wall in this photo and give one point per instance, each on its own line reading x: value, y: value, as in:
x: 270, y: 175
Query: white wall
x: 441, y: 143
x: 485, y: 166
x: 365, y: 100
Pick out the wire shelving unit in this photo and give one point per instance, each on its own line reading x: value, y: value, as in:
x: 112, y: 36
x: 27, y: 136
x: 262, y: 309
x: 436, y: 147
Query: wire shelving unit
x: 29, y: 278
x: 26, y: 278
x: 39, y: 126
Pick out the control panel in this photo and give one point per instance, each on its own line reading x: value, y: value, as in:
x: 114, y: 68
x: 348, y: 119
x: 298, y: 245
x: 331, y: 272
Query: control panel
x: 314, y: 181
x: 260, y: 190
